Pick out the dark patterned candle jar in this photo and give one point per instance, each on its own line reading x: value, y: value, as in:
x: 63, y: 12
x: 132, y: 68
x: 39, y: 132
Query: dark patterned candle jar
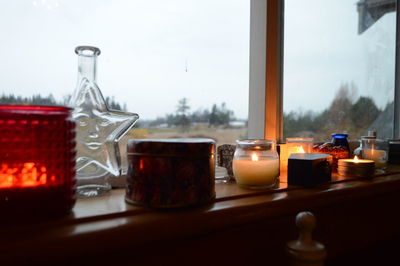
x: 170, y: 173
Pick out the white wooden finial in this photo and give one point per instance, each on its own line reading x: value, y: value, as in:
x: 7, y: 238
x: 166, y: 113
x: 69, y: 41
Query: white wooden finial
x: 305, y: 251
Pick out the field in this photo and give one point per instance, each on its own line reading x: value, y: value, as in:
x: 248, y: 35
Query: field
x: 220, y: 135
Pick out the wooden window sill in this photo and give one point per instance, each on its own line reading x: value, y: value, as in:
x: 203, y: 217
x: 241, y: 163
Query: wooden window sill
x: 108, y: 223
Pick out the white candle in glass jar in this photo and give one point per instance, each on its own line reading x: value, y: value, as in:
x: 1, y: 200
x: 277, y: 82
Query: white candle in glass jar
x: 256, y: 171
x: 378, y: 156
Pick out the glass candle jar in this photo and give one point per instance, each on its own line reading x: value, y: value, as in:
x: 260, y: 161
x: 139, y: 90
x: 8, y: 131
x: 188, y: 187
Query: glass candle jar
x: 37, y: 161
x: 294, y: 145
x: 299, y: 145
x: 376, y: 150
x: 256, y: 163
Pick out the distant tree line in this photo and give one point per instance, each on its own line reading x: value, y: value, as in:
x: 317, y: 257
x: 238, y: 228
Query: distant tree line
x: 344, y: 114
x: 217, y: 116
x: 35, y: 99
x: 50, y: 100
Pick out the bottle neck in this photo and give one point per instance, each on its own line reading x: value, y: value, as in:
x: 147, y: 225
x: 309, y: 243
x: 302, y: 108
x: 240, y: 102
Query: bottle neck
x: 87, y: 67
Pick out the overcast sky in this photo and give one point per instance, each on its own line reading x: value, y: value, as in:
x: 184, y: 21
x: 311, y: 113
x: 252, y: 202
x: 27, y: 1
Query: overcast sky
x: 323, y: 50
x: 147, y: 46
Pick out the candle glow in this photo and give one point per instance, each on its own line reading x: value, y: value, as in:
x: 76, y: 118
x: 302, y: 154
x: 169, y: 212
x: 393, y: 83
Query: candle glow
x: 255, y: 172
x: 356, y: 167
x: 24, y: 175
x: 301, y: 150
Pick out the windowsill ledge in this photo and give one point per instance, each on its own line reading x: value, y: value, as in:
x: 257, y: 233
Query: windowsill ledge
x: 99, y: 224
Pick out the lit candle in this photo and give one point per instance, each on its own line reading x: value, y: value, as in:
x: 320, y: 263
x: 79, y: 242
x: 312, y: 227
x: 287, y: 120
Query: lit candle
x: 356, y: 167
x: 37, y: 161
x: 295, y: 149
x: 25, y: 175
x: 378, y: 156
x: 299, y: 145
x: 294, y: 145
x: 256, y: 171
x: 285, y: 154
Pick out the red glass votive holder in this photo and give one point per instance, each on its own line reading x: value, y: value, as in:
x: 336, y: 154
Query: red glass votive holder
x: 37, y: 161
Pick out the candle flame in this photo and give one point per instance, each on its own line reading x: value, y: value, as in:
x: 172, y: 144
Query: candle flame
x: 356, y: 159
x: 301, y: 150
x: 254, y: 157
x: 24, y: 175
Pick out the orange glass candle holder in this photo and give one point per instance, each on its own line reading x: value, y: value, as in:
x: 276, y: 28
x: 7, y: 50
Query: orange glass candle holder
x: 37, y: 161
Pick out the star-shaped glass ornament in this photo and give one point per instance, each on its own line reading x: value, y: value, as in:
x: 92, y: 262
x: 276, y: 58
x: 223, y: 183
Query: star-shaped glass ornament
x: 98, y: 129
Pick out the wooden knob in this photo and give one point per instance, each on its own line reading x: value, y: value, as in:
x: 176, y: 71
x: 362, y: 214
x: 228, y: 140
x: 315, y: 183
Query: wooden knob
x: 305, y: 250
x: 306, y: 222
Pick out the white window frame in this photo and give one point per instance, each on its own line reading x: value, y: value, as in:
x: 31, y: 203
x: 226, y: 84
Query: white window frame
x: 266, y: 65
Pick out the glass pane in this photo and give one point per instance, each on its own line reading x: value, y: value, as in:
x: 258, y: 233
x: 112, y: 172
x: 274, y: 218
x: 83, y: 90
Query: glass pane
x: 339, y: 68
x: 182, y: 65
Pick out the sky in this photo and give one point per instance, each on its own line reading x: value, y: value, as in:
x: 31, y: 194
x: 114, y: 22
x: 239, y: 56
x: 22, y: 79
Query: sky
x: 155, y: 52
x: 324, y: 50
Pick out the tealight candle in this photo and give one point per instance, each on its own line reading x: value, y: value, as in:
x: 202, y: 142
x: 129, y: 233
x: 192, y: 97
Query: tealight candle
x: 256, y: 163
x: 356, y: 167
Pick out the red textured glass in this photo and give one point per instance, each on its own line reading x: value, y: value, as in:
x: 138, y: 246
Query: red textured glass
x: 37, y: 161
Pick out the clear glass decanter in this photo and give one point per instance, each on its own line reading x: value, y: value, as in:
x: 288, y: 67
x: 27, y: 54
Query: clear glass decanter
x: 98, y: 129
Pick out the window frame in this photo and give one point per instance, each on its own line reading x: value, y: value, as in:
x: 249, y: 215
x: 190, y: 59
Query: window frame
x: 396, y: 115
x: 266, y: 71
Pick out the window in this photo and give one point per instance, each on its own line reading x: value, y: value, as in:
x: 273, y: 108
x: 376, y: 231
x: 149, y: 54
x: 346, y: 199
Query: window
x: 339, y: 68
x: 372, y: 66
x: 160, y: 59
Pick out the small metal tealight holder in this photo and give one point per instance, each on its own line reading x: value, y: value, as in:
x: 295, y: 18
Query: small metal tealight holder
x: 356, y: 168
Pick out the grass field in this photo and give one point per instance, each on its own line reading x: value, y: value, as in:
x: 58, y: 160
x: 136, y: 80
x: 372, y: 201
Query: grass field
x: 220, y: 135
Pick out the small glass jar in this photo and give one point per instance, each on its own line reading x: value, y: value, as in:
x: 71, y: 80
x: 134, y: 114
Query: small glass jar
x: 225, y: 154
x: 358, y: 150
x: 299, y: 145
x: 256, y: 163
x: 376, y: 150
x: 340, y: 140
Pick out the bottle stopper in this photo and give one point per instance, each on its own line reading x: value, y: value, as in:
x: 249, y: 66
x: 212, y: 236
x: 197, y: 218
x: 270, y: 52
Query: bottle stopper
x: 372, y: 133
